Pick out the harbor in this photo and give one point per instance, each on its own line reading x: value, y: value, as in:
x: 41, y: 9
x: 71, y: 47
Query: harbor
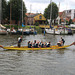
x: 37, y: 37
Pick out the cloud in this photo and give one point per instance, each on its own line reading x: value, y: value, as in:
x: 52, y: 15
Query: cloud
x: 36, y: 7
x: 40, y: 5
x: 37, y: 1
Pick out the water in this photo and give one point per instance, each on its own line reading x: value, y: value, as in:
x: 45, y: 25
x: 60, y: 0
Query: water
x: 41, y: 62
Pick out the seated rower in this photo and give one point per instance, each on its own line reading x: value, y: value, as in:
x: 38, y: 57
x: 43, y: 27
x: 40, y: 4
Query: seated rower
x: 60, y: 43
x: 37, y: 45
x: 42, y: 44
x: 48, y: 44
x: 34, y: 44
x: 29, y: 44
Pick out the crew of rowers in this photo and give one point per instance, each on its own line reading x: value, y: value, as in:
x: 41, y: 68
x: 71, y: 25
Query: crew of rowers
x: 38, y: 44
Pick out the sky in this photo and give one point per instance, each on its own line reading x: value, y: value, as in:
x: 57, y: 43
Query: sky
x: 38, y: 6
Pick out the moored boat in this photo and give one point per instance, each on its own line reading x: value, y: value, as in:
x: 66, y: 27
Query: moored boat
x: 57, y: 31
x: 13, y: 31
x: 2, y: 30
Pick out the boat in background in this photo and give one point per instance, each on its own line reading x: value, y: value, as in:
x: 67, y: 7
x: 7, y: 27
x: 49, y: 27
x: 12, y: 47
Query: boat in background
x: 26, y: 31
x: 57, y: 31
x: 72, y: 27
x: 3, y: 30
x: 52, y: 31
x: 13, y: 31
x: 70, y: 32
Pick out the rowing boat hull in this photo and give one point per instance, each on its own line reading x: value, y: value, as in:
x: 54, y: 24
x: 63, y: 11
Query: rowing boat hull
x: 26, y: 48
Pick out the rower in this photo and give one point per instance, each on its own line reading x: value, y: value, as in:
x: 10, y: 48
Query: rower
x: 34, y: 44
x: 60, y: 43
x: 19, y: 41
x: 62, y: 40
x: 42, y: 44
x: 29, y: 44
x: 48, y: 44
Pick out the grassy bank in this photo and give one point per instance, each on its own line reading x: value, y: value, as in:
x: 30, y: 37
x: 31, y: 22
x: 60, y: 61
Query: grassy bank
x: 39, y: 30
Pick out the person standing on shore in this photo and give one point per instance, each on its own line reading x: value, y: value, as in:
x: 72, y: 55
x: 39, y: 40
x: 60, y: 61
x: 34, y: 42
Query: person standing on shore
x: 19, y: 41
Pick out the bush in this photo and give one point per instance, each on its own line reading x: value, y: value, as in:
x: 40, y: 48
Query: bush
x: 37, y: 23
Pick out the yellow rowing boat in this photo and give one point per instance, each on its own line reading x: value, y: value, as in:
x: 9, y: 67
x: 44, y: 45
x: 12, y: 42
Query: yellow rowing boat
x: 26, y: 48
x: 45, y: 48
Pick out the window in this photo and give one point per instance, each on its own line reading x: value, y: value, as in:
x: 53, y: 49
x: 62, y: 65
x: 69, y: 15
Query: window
x: 40, y: 17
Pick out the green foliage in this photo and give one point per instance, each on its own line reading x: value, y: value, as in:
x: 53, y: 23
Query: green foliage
x: 37, y: 23
x: 46, y: 22
x: 8, y: 26
x: 16, y: 10
x: 4, y: 9
x: 70, y: 21
x: 39, y: 30
x: 67, y: 22
x: 54, y: 11
x: 60, y: 21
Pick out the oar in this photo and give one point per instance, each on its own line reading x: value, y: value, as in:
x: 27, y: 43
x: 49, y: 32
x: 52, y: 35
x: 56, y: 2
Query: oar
x: 72, y: 44
x: 1, y: 46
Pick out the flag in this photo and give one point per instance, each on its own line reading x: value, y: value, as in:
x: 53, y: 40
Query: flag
x: 23, y: 25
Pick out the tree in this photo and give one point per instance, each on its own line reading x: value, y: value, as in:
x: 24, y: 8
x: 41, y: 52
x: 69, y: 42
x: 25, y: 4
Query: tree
x: 70, y: 21
x: 60, y: 21
x: 67, y: 22
x: 4, y: 7
x: 54, y: 11
x: 16, y: 10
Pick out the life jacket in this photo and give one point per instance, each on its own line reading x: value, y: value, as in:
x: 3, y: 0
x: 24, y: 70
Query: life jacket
x: 63, y: 41
x: 20, y: 40
x: 29, y: 45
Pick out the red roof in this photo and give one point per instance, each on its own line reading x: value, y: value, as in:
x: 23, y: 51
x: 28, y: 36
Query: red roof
x: 73, y: 20
x: 29, y: 14
x: 67, y: 19
x: 60, y: 14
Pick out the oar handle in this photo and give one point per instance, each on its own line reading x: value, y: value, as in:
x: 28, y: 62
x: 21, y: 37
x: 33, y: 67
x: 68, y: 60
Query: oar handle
x: 1, y: 46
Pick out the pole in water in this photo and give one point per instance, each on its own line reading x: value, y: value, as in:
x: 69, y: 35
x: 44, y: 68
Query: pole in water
x: 44, y: 32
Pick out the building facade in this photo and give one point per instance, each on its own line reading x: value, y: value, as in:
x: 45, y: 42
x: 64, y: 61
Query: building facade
x: 66, y: 15
x: 35, y: 18
x: 70, y: 13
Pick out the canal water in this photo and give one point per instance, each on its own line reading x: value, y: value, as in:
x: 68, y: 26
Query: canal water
x: 40, y: 62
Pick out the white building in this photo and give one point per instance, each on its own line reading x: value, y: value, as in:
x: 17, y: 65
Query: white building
x: 70, y: 13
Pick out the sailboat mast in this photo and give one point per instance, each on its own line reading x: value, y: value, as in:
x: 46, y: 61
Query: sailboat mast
x: 50, y: 12
x: 10, y: 16
x: 22, y: 16
x: 58, y: 14
x: 0, y: 10
x: 22, y: 11
x: 30, y: 14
